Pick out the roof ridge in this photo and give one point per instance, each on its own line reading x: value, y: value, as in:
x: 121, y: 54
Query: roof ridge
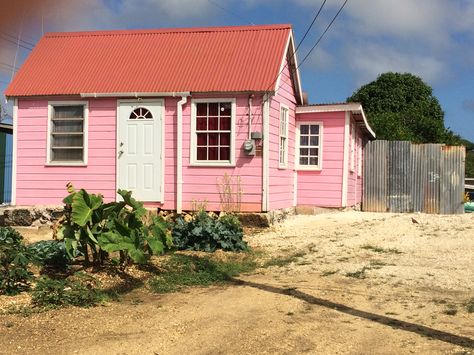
x: 169, y: 30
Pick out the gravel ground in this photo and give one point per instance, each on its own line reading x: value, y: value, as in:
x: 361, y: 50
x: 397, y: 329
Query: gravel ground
x: 342, y: 283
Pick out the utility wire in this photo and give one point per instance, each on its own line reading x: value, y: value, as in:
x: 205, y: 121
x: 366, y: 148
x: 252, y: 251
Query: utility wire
x: 322, y: 35
x: 310, y: 26
x: 18, y: 46
x: 8, y: 66
x: 298, y: 46
x: 12, y: 37
x: 15, y: 43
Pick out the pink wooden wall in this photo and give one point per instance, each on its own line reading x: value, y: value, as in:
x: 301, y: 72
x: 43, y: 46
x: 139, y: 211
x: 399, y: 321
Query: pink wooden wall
x: 200, y: 183
x: 323, y: 187
x: 281, y: 179
x: 354, y: 186
x: 38, y: 184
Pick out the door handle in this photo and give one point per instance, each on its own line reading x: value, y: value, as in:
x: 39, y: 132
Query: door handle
x: 120, y: 153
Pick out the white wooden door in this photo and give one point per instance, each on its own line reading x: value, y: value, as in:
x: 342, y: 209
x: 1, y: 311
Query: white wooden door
x: 139, y: 148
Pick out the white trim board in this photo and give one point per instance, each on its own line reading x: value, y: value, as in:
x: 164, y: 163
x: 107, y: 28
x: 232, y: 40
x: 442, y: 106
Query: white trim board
x: 345, y: 161
x: 15, y: 147
x: 266, y: 153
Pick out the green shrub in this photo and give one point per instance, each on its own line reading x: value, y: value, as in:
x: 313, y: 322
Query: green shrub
x: 206, y: 233
x: 49, y: 253
x: 51, y: 293
x: 14, y: 262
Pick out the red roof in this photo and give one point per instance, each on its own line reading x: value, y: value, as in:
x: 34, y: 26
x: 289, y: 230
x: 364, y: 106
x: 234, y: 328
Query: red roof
x: 216, y: 59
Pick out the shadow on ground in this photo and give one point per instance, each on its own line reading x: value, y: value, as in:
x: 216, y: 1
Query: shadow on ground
x: 384, y: 320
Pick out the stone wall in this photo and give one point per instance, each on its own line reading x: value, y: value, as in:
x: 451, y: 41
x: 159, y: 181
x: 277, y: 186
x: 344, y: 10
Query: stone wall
x: 29, y: 216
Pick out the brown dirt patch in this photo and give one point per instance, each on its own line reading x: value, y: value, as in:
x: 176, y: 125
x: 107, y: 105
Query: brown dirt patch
x: 353, y: 283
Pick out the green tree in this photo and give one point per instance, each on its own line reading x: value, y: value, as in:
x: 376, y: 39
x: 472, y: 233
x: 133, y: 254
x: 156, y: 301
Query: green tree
x: 402, y: 107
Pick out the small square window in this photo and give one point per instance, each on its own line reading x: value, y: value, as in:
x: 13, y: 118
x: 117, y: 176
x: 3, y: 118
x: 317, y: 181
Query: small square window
x: 309, y: 152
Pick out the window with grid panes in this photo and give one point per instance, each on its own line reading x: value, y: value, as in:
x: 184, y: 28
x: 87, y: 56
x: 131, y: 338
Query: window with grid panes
x: 213, y: 131
x: 67, y: 132
x: 309, y: 148
x: 283, y: 136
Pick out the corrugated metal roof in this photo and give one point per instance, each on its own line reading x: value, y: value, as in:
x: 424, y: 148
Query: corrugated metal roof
x: 354, y: 107
x: 216, y: 59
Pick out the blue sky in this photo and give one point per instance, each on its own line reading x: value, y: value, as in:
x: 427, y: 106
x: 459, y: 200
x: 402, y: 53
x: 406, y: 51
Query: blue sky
x: 430, y: 38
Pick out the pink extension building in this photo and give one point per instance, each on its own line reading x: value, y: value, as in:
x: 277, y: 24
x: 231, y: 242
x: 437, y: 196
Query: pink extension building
x: 166, y: 113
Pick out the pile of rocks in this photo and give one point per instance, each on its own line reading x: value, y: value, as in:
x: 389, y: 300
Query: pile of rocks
x: 39, y: 216
x: 29, y: 216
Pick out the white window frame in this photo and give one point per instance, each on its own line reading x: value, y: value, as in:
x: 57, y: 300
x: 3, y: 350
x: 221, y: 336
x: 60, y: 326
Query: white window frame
x: 193, y: 145
x: 352, y: 148
x: 283, y: 164
x: 320, y: 147
x: 51, y: 105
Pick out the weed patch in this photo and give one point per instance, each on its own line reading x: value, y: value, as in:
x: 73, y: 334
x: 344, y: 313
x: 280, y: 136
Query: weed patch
x: 359, y: 274
x: 285, y: 260
x: 450, y: 310
x: 378, y: 249
x: 81, y: 291
x: 181, y: 271
x: 329, y: 272
x: 470, y: 306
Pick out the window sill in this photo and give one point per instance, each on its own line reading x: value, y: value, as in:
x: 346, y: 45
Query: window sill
x: 212, y: 164
x: 308, y: 168
x: 65, y: 164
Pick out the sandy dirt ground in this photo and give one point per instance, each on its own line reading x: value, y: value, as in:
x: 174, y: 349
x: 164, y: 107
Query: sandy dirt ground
x: 357, y: 283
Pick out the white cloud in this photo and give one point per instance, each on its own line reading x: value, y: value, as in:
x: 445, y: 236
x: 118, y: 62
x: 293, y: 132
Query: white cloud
x: 425, y: 37
x: 370, y: 60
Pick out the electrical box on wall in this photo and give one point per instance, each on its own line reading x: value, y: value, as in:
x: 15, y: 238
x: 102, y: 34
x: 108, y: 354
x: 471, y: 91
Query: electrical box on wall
x: 256, y: 135
x: 249, y: 147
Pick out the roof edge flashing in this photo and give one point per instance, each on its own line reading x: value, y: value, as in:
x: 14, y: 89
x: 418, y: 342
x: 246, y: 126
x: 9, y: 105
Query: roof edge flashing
x: 353, y: 107
x: 134, y: 94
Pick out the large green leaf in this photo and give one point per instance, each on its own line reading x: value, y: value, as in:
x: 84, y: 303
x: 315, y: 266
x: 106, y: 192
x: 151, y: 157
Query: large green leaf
x: 156, y: 245
x: 66, y: 231
x: 137, y: 256
x: 129, y: 200
x: 83, y: 206
x: 111, y: 241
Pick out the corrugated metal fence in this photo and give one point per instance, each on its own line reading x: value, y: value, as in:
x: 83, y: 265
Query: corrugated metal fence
x: 6, y: 150
x: 403, y: 177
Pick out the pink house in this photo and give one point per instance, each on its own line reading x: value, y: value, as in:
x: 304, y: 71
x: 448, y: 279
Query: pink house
x: 166, y: 113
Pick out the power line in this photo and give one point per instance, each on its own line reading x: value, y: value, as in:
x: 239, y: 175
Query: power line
x: 8, y: 66
x: 15, y: 38
x: 322, y: 35
x: 310, y: 26
x: 299, y: 44
x: 15, y: 43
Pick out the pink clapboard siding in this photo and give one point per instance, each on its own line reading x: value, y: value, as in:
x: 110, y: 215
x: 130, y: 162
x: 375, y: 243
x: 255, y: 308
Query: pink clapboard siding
x: 201, y: 184
x: 39, y: 184
x: 354, y: 184
x: 323, y: 188
x: 281, y: 180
